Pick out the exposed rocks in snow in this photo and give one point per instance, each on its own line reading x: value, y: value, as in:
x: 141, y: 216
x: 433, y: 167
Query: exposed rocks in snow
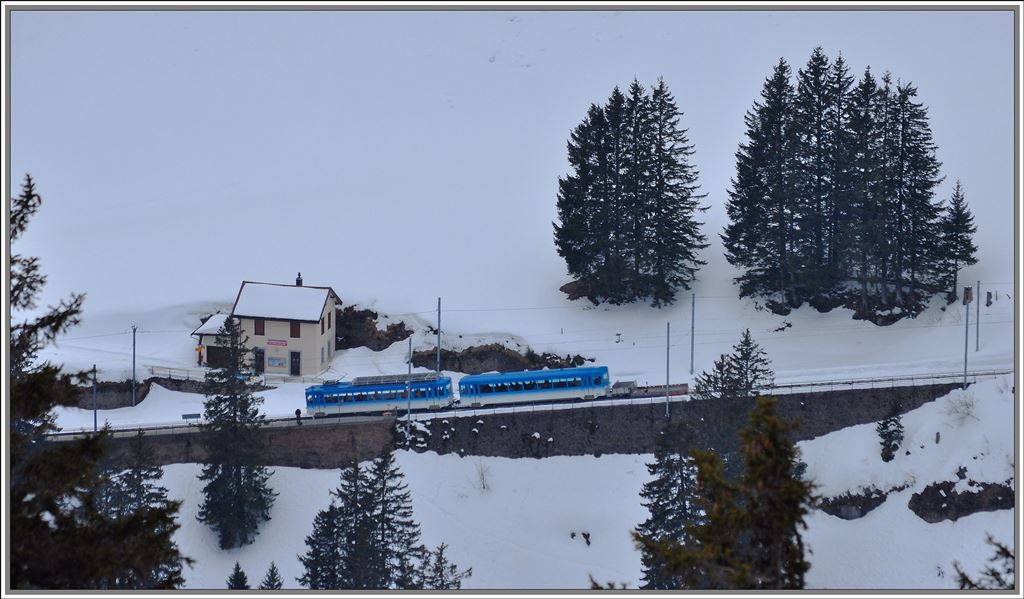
x: 942, y: 501
x: 850, y: 506
x: 359, y: 328
x: 494, y: 356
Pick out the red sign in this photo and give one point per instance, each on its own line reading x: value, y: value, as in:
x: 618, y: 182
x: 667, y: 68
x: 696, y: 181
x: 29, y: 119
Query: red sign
x: 277, y: 342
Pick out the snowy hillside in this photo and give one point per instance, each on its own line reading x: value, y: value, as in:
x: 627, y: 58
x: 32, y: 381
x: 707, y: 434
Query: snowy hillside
x: 512, y: 520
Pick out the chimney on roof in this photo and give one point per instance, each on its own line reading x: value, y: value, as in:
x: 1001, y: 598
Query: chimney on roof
x: 298, y: 280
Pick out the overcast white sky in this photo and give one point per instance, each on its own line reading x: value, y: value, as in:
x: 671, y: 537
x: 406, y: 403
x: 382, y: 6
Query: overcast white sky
x: 402, y: 156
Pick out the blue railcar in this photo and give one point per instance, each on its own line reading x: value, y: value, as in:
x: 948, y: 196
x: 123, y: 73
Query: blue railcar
x: 534, y: 385
x: 380, y: 394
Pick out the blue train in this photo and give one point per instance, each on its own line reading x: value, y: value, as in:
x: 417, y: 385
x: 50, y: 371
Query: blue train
x: 431, y: 391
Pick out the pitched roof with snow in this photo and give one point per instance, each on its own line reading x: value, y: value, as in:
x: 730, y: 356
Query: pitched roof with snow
x: 212, y: 325
x: 283, y: 302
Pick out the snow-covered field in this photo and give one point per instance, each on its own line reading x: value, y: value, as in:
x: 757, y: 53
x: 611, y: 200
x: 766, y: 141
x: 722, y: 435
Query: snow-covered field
x: 517, y: 532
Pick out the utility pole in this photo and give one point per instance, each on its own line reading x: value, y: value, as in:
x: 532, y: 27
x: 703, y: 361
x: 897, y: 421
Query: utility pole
x: 693, y: 316
x: 967, y: 326
x: 977, y: 321
x: 438, y: 335
x: 94, y: 426
x: 408, y: 396
x: 133, y: 364
x: 668, y: 338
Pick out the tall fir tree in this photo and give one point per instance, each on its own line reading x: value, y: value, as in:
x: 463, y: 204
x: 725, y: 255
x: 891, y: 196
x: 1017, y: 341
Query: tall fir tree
x: 866, y: 199
x: 395, y: 542
x: 238, y: 581
x: 751, y: 368
x: 717, y: 382
x: 672, y: 500
x: 839, y: 214
x: 751, y: 538
x: 675, y: 239
x: 890, y: 432
x: 761, y: 237
x: 272, y: 579
x: 958, y: 230
x: 626, y: 214
x: 813, y: 179
x: 59, y: 536
x: 323, y: 560
x: 236, y: 497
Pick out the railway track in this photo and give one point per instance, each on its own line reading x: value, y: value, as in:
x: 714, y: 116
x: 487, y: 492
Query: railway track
x: 650, y: 393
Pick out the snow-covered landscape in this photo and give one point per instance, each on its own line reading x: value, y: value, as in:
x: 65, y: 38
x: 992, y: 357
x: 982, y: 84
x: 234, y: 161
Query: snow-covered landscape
x: 431, y: 170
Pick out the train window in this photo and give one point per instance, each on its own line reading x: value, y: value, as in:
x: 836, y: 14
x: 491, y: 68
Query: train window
x: 574, y: 383
x: 560, y: 384
x: 544, y: 385
x: 485, y: 388
x: 597, y: 380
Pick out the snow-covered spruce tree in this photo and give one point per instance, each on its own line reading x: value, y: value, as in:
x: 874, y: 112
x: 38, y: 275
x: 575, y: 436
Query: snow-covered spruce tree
x: 751, y: 538
x: 237, y: 581
x: 272, y: 579
x: 59, y: 536
x: 671, y: 499
x: 338, y: 554
x: 957, y: 237
x: 673, y: 233
x: 761, y: 235
x: 577, y: 234
x: 890, y: 432
x: 751, y: 368
x: 840, y: 218
x: 236, y: 498
x: 439, y: 573
x: 324, y: 552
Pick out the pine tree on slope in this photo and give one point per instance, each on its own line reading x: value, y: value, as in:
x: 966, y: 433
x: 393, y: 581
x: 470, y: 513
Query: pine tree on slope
x: 671, y: 499
x: 272, y: 579
x: 59, y: 537
x: 957, y: 232
x: 395, y: 542
x: 890, y: 432
x: 238, y: 581
x: 237, y: 498
x: 751, y: 537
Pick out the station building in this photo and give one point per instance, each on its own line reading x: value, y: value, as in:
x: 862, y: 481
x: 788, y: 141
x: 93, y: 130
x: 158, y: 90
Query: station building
x: 290, y: 328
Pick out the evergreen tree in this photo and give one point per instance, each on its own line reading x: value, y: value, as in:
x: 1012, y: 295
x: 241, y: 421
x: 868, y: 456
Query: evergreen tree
x: 626, y: 225
x: 238, y: 581
x: 762, y: 207
x: 957, y: 231
x: 742, y: 373
x: 671, y: 499
x: 717, y: 382
x: 999, y: 574
x: 395, y: 540
x: 272, y: 579
x: 890, y: 432
x: 59, y: 536
x: 866, y: 198
x: 441, y: 574
x: 751, y: 370
x: 839, y: 209
x: 237, y: 498
x: 751, y: 537
x: 674, y: 238
x: 323, y: 558
x: 815, y: 154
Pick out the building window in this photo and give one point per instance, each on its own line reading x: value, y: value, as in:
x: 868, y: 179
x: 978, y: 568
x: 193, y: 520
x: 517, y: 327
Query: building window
x: 296, y: 331
x: 328, y: 321
x: 259, y: 324
x: 321, y: 328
